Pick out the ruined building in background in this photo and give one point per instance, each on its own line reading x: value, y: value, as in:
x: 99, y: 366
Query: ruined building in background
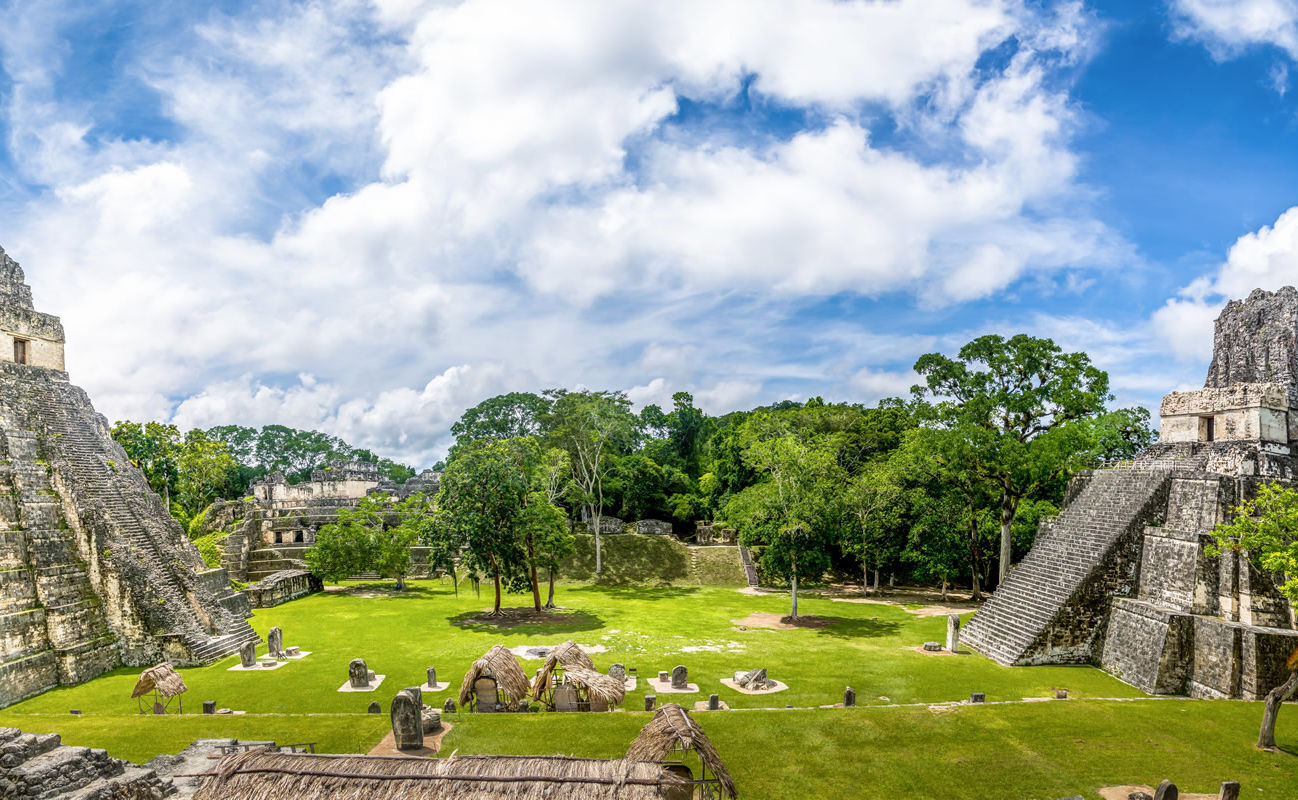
x: 94, y: 573
x: 270, y: 532
x: 1121, y: 577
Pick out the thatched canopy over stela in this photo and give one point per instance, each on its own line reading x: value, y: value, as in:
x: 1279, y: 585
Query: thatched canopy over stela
x: 163, y: 678
x: 503, y: 666
x: 672, y: 728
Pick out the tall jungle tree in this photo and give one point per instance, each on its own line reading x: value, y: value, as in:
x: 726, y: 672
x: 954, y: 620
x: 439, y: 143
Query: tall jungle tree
x: 1014, y: 400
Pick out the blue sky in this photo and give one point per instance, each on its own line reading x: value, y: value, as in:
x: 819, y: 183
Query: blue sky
x: 364, y: 217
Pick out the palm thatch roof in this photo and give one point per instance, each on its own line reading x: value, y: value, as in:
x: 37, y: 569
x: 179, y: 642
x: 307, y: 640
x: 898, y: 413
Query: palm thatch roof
x: 673, y: 728
x: 565, y: 656
x: 163, y: 678
x: 268, y: 775
x: 596, y: 685
x: 502, y: 665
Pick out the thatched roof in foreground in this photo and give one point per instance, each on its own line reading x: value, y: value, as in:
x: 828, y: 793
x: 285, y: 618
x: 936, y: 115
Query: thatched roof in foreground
x: 610, y: 690
x: 268, y: 775
x: 566, y: 656
x: 672, y: 726
x: 163, y: 678
x: 502, y: 665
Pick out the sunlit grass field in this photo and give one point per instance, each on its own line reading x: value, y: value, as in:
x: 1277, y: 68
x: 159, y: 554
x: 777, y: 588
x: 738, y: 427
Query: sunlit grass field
x: 1038, y: 749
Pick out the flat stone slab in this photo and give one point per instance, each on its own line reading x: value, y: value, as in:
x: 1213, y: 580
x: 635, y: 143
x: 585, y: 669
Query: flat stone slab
x: 262, y: 666
x: 665, y: 687
x: 630, y: 683
x: 440, y: 686
x: 374, y: 684
x: 730, y: 683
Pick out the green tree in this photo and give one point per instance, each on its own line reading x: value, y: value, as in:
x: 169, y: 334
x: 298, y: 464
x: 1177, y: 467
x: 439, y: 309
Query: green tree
x: 1014, y: 400
x: 478, y: 503
x: 1265, y: 530
x: 543, y: 528
x: 204, y: 467
x: 154, y: 448
x: 348, y: 545
x: 505, y: 416
x: 793, y: 510
x: 876, y: 501
x: 592, y: 427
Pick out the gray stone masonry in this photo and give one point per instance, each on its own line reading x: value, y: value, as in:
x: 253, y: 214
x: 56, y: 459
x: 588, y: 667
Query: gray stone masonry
x: 38, y: 766
x: 1122, y: 577
x: 94, y: 572
x: 358, y: 674
x: 680, y: 677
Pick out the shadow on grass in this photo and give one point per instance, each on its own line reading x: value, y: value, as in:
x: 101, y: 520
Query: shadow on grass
x: 619, y: 591
x: 387, y: 590
x: 527, y: 622
x: 841, y: 628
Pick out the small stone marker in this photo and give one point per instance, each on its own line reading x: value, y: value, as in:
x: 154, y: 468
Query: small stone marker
x: 617, y: 671
x: 977, y: 697
x: 372, y: 676
x: 407, y: 721
x: 76, y: 712
x: 269, y: 664
x: 293, y: 652
x: 1229, y: 790
x: 953, y: 632
x: 1061, y: 694
x: 754, y: 679
x: 714, y: 702
x: 680, y: 677
x: 275, y: 643
x: 220, y: 711
x: 449, y: 706
x: 248, y: 655
x: 649, y: 701
x: 375, y: 708
x: 1166, y: 791
x: 433, y: 720
x: 935, y: 647
x: 432, y: 676
x: 662, y: 675
x: 1140, y: 796
x: 849, y: 697
x: 209, y: 706
x: 358, y: 673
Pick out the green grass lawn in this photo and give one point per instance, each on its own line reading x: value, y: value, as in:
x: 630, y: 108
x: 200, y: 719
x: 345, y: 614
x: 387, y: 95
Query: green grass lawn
x: 1047, y: 749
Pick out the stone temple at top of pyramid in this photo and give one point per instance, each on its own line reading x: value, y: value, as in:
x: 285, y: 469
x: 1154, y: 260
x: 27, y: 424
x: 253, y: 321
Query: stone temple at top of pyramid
x: 1122, y: 577
x: 1251, y: 394
x: 94, y: 572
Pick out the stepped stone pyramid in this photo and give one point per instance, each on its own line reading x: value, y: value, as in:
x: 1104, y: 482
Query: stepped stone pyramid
x: 94, y: 573
x: 1121, y: 577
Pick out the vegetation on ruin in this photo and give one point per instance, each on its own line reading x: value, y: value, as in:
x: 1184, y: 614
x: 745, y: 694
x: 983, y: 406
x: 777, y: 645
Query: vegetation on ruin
x: 1038, y: 749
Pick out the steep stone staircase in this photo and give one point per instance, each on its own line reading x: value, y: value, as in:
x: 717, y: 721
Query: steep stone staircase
x: 40, y: 767
x: 750, y: 569
x: 96, y: 481
x: 1051, y: 606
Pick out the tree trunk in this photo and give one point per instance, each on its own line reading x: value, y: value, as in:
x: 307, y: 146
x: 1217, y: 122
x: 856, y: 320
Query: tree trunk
x: 1281, y: 693
x: 401, y: 583
x: 536, y: 586
x: 865, y: 581
x: 944, y: 587
x: 495, y: 574
x: 876, y: 580
x: 599, y: 556
x: 793, y: 582
x: 976, y: 592
x: 1008, y: 507
x: 549, y: 603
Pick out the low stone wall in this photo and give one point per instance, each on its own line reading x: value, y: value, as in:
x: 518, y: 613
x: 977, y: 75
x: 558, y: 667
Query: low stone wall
x: 289, y: 584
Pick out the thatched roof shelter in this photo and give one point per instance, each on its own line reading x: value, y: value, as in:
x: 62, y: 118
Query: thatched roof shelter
x: 269, y: 775
x: 672, y: 729
x: 163, y: 679
x: 564, y: 657
x: 596, y: 685
x: 502, y: 665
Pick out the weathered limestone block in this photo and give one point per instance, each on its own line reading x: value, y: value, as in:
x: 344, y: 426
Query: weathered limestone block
x: 275, y: 642
x: 617, y: 671
x: 248, y: 655
x: 849, y: 697
x: 358, y: 674
x: 953, y: 633
x: 432, y: 676
x: 407, y: 720
x: 680, y: 677
x: 654, y: 527
x: 649, y: 701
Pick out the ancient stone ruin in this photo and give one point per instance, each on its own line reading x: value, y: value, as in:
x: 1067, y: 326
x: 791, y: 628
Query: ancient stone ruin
x: 94, y: 572
x: 1120, y: 577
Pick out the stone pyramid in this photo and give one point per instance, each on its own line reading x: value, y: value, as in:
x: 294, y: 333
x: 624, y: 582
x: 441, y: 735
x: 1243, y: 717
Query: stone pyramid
x: 94, y: 573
